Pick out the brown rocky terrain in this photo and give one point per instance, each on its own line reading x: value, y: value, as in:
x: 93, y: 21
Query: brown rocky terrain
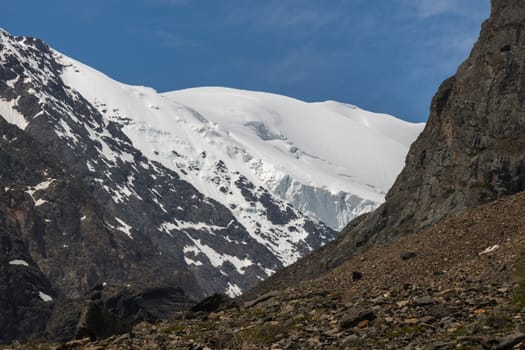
x: 457, y: 285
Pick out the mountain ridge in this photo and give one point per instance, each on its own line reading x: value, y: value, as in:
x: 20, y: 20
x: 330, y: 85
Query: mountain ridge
x: 98, y: 151
x: 134, y: 221
x: 236, y: 125
x: 439, y: 265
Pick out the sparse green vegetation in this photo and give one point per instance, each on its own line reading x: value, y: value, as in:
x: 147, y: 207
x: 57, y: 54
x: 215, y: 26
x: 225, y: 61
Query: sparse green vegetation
x: 482, y: 186
x: 265, y: 334
x: 174, y: 328
x: 404, y: 331
x: 461, y: 331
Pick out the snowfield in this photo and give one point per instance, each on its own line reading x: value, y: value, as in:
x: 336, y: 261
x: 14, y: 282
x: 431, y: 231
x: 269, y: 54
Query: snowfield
x: 332, y: 161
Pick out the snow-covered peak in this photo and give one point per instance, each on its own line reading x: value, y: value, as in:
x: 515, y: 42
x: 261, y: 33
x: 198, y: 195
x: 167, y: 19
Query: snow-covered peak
x: 229, y: 189
x: 329, y: 144
x: 331, y: 160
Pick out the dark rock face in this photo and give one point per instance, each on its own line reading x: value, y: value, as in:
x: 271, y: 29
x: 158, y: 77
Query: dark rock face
x: 212, y: 303
x: 49, y: 255
x: 113, y: 310
x: 24, y: 312
x: 151, y: 304
x: 472, y: 150
x: 98, y: 323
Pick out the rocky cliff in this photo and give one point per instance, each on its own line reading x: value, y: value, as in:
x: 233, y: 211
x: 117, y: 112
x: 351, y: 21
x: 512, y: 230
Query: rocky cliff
x: 472, y: 150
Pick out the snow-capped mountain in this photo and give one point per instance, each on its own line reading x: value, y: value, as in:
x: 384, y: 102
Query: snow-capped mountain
x: 152, y: 211
x: 222, y: 186
x: 332, y: 161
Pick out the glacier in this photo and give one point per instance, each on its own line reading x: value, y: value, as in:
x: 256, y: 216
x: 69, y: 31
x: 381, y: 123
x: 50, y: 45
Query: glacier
x: 330, y: 160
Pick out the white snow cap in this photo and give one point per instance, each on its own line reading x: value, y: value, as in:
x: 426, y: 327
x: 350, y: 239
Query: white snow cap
x: 313, y: 153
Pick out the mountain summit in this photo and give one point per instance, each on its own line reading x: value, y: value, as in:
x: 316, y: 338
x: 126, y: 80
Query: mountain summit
x: 331, y: 161
x: 142, y: 202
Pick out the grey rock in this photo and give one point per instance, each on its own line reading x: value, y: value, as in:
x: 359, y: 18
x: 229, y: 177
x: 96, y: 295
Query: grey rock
x: 356, y: 275
x: 438, y: 345
x: 212, y: 303
x: 446, y: 321
x: 423, y: 301
x: 510, y: 341
x: 97, y: 323
x: 262, y: 298
x: 354, y: 317
x: 427, y: 319
x: 408, y: 255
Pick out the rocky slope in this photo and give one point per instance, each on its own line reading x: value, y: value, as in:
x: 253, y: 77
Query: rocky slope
x: 456, y: 285
x: 471, y: 150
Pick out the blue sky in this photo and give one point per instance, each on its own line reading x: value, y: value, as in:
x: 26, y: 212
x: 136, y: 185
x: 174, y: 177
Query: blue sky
x: 383, y: 55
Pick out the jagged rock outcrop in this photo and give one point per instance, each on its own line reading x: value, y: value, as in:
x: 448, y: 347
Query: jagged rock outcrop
x: 471, y: 151
x: 24, y: 290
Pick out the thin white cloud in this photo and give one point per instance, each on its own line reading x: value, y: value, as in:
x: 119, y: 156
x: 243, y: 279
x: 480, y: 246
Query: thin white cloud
x: 284, y: 15
x: 174, y: 40
x: 430, y: 8
x: 170, y: 2
x: 302, y: 64
x: 424, y: 9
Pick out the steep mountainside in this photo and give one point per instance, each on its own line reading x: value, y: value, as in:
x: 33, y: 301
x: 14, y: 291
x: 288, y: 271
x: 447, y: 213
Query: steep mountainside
x: 96, y: 194
x: 57, y: 241
x: 149, y: 202
x: 471, y: 151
